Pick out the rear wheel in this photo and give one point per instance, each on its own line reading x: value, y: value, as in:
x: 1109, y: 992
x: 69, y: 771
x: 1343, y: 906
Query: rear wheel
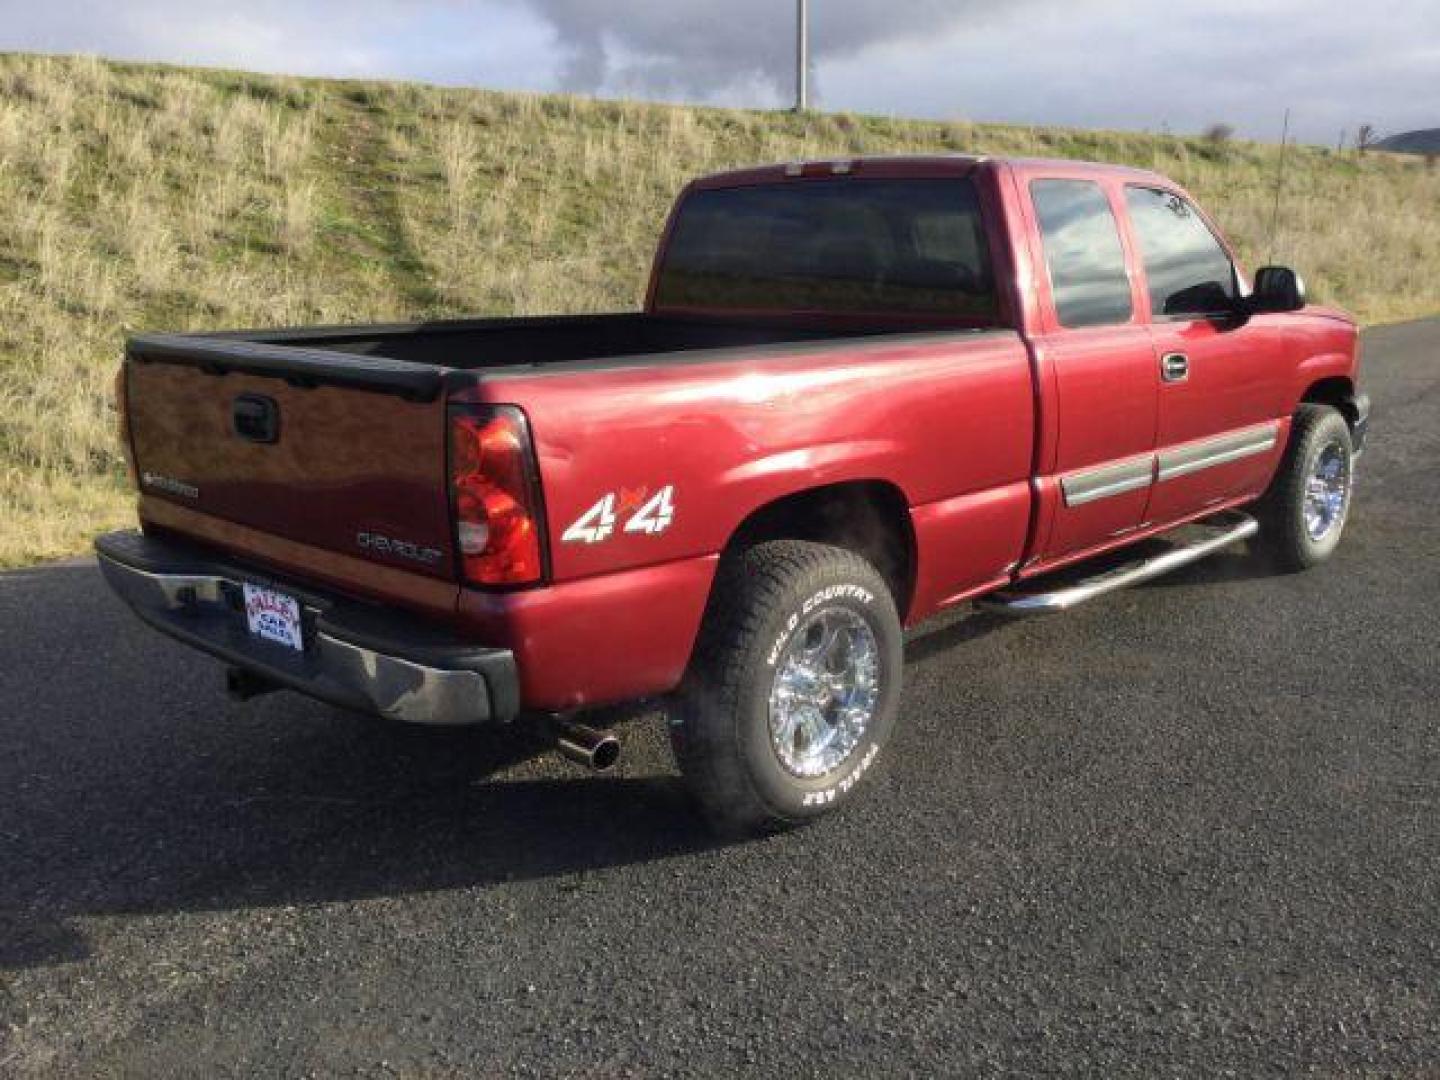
x: 794, y: 688
x: 1304, y: 512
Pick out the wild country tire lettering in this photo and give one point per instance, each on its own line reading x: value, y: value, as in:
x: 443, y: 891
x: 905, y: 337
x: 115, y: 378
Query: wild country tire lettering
x: 830, y: 794
x: 832, y: 592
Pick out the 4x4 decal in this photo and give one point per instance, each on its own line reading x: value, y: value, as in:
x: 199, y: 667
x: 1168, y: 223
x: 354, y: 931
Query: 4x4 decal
x: 651, y: 515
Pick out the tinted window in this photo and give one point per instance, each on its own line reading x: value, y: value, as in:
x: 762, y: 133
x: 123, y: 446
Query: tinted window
x: 843, y: 245
x: 1186, y: 269
x: 1083, y: 252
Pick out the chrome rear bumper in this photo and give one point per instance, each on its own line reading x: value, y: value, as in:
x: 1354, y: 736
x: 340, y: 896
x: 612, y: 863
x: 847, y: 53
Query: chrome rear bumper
x: 355, y: 656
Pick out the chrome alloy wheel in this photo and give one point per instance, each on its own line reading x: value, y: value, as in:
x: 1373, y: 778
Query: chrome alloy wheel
x: 826, y: 688
x: 1327, y: 491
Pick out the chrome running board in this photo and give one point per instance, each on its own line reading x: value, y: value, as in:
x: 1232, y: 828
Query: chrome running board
x: 1035, y: 598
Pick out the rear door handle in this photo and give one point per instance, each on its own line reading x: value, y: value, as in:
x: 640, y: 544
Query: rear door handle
x: 1174, y: 367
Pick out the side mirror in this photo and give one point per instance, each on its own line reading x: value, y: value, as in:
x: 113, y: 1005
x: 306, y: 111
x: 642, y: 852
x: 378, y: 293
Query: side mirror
x: 1277, y: 288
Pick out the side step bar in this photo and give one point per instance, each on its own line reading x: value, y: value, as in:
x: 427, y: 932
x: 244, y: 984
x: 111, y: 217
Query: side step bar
x: 1218, y: 532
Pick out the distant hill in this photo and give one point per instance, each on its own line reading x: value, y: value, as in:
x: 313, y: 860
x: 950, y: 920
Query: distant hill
x: 1426, y: 141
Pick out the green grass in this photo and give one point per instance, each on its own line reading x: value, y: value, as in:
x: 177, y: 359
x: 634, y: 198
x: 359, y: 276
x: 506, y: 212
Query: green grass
x: 143, y: 197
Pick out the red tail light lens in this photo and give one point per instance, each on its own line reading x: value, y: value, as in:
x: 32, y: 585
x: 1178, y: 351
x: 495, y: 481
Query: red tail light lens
x: 495, y: 497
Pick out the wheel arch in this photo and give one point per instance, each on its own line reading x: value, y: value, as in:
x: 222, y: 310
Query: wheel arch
x: 1337, y: 391
x: 870, y: 517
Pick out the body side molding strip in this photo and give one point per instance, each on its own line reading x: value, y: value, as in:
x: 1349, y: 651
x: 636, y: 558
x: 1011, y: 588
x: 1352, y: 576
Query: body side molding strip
x: 1115, y: 478
x: 1221, y: 450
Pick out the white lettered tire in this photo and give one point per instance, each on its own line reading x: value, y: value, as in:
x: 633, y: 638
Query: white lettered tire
x: 794, y: 688
x: 1303, y: 514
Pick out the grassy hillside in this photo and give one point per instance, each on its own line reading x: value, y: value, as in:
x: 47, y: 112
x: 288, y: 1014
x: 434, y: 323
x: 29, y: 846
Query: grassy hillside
x: 138, y: 197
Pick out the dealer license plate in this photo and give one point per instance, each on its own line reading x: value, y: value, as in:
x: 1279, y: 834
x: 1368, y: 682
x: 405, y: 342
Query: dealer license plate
x: 273, y: 616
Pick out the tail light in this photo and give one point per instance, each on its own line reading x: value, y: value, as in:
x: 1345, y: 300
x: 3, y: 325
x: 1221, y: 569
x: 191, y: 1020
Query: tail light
x: 122, y: 414
x: 495, y: 497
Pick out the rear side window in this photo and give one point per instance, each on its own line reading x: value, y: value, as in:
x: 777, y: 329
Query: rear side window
x: 1187, y: 270
x: 1082, y: 252
x: 845, y: 245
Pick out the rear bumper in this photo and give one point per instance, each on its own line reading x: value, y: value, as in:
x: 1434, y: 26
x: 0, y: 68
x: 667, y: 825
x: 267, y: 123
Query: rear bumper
x: 356, y: 656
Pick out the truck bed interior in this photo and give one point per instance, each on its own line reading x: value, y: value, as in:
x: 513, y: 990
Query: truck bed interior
x: 469, y: 344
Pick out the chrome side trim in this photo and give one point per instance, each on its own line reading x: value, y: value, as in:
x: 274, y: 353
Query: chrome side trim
x: 1221, y: 450
x: 1227, y: 528
x: 1116, y: 478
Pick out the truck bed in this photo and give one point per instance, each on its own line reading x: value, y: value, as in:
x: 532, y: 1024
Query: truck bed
x: 359, y: 448
x: 391, y: 352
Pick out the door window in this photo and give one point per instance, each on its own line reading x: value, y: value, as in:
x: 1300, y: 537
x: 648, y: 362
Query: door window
x: 1082, y: 252
x: 1187, y: 270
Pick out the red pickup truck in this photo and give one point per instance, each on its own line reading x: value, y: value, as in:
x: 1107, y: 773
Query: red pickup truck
x: 860, y: 392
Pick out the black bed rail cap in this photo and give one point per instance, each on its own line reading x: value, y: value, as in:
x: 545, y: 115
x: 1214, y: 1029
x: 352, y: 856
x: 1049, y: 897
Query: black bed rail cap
x: 297, y: 365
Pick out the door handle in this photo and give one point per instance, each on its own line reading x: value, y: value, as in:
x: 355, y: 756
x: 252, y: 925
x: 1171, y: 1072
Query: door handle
x: 1174, y: 367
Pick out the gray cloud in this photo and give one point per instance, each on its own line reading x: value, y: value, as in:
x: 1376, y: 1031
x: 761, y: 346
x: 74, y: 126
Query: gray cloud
x: 703, y: 47
x: 1116, y: 63
x: 1107, y: 63
x: 1135, y: 64
x: 499, y: 43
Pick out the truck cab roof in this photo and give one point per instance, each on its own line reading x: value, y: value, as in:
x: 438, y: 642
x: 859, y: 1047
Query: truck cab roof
x: 896, y: 166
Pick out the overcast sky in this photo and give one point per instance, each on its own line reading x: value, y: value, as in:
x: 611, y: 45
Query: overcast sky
x: 1138, y: 64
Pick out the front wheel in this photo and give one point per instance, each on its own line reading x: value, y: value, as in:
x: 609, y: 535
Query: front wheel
x: 794, y: 688
x: 1304, y: 512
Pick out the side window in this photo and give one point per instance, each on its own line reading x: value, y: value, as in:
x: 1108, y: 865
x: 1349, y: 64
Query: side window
x: 1187, y: 270
x: 1083, y: 252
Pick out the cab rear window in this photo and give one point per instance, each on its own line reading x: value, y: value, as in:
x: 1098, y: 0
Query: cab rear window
x: 836, y: 246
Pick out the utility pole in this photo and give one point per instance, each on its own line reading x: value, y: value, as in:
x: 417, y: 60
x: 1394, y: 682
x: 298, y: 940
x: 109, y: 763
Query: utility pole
x: 1279, y: 183
x: 802, y: 55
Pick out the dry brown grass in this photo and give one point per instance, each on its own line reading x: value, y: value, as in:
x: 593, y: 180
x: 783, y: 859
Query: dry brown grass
x: 140, y: 197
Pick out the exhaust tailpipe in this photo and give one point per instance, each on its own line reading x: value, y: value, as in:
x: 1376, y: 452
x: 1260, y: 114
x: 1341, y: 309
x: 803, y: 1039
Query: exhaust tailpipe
x: 595, y: 750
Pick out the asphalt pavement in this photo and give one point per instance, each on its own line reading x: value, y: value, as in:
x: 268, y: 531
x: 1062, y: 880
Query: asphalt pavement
x: 1192, y: 829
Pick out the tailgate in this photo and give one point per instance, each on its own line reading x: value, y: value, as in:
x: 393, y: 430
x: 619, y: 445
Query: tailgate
x: 324, y: 449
